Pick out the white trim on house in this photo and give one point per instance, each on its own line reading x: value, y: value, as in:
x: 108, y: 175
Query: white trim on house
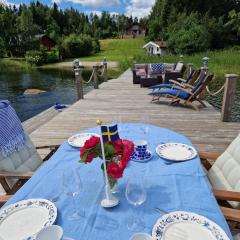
x: 151, y: 43
x: 154, y: 49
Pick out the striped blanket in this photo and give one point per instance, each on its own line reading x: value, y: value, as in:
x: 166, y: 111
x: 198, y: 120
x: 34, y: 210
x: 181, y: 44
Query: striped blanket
x: 11, y: 132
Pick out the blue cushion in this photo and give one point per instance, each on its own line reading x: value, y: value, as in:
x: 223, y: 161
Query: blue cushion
x: 157, y: 67
x: 3, y: 104
x: 167, y: 85
x: 172, y: 92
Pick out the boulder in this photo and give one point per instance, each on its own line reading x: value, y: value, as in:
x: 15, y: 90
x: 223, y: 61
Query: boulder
x: 33, y: 91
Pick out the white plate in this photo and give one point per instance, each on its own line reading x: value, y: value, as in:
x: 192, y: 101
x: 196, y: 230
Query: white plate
x: 186, y: 226
x: 78, y: 140
x: 24, y: 219
x: 176, y: 151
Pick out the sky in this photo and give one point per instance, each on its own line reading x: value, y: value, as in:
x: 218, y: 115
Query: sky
x: 135, y: 8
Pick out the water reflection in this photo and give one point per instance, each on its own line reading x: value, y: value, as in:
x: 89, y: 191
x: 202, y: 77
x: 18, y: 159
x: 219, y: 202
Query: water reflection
x: 58, y: 84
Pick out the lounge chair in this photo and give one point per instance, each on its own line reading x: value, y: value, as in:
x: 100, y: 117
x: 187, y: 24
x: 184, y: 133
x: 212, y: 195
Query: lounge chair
x: 193, y: 77
x: 185, y: 95
x: 223, y: 175
x: 17, y: 167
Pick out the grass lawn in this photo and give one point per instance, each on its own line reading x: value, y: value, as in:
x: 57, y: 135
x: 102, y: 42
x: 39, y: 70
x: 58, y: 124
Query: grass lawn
x: 117, y: 49
x: 7, y: 64
x: 220, y: 62
x: 122, y: 51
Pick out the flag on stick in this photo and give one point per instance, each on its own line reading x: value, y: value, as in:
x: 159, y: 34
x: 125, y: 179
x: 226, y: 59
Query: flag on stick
x: 110, y: 200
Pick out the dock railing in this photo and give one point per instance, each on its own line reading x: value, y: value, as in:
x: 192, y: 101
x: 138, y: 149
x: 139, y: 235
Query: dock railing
x: 99, y: 70
x: 229, y: 87
x: 229, y: 96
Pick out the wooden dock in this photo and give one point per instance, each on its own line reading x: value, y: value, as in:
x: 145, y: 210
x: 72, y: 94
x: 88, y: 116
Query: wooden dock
x: 121, y: 97
x: 37, y: 121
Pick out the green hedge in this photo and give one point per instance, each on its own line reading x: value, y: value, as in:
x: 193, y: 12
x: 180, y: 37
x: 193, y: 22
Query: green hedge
x: 79, y: 46
x: 35, y: 57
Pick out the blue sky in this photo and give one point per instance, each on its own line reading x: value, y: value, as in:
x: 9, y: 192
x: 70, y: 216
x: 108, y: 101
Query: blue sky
x: 136, y: 8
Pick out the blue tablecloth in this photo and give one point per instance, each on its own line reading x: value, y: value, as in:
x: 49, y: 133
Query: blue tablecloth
x: 179, y: 186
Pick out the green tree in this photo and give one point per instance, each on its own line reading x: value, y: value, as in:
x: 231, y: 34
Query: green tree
x: 2, y: 48
x: 77, y: 45
x: 234, y: 22
x: 188, y: 35
x: 27, y: 30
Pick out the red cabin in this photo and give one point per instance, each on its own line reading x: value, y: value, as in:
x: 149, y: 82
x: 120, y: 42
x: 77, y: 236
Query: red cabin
x: 46, y: 41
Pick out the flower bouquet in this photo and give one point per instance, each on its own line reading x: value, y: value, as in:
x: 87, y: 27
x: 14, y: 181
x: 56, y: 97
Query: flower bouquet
x: 117, y: 154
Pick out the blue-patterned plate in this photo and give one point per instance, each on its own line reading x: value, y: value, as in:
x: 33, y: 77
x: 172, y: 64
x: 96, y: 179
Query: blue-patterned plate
x: 176, y: 151
x: 23, y: 220
x: 186, y: 225
x: 135, y: 157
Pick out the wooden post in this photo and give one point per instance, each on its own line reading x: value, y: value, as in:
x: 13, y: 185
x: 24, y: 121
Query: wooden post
x: 181, y: 59
x: 79, y: 82
x: 190, y: 67
x: 105, y: 69
x: 204, y: 69
x: 95, y: 76
x: 228, y: 98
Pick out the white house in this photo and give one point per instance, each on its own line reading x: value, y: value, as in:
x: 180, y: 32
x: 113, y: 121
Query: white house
x: 156, y: 48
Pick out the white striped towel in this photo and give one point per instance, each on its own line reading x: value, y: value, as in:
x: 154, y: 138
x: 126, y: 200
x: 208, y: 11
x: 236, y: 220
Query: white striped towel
x: 12, y: 136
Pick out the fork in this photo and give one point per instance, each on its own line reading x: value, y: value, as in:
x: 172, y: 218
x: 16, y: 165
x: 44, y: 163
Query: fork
x: 161, y: 211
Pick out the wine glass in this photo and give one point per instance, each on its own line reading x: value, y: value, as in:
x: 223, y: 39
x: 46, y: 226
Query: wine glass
x: 117, y: 119
x: 136, y: 195
x: 72, y: 187
x: 145, y: 126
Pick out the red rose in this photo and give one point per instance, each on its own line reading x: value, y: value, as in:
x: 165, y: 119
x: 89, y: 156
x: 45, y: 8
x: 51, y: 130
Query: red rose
x: 124, y: 161
x: 82, y: 151
x: 118, y: 146
x: 114, y: 170
x: 90, y: 157
x: 92, y: 142
x: 128, y: 147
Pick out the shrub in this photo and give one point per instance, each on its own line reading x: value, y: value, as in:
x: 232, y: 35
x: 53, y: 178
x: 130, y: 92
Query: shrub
x: 35, y: 57
x: 52, y: 56
x: 77, y: 45
x: 2, y: 48
x: 188, y: 35
x: 96, y: 45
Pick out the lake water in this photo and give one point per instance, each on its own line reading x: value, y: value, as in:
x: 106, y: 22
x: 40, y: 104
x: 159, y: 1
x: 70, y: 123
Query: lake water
x: 58, y: 84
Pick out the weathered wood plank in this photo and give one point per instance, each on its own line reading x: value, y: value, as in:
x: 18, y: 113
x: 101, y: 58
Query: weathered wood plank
x: 35, y: 122
x: 121, y: 97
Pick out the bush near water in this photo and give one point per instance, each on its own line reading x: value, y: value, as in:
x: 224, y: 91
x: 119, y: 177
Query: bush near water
x: 39, y: 57
x: 79, y: 46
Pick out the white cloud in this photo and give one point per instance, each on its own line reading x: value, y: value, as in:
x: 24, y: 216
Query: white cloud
x: 139, y: 8
x: 92, y: 3
x: 99, y: 13
x: 6, y: 3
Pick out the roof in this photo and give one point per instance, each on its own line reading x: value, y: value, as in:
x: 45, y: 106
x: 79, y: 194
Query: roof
x: 160, y: 44
x: 39, y: 35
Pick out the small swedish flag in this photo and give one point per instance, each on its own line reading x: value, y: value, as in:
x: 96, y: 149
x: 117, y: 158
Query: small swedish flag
x: 110, y: 133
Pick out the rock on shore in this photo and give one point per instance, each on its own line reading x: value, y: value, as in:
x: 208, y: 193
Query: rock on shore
x: 33, y: 91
